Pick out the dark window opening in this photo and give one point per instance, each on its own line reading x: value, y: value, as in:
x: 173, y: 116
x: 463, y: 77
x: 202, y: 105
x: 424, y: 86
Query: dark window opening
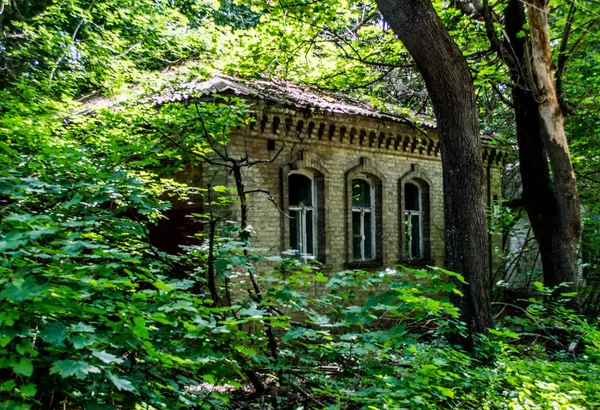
x: 288, y: 125
x: 321, y: 130
x: 302, y: 215
x: 363, y: 224
x: 413, y: 224
x: 276, y: 122
x: 311, y: 127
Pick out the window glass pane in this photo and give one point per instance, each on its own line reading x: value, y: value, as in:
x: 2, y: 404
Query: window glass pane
x: 309, y: 233
x: 361, y: 194
x: 368, y: 219
x: 416, y: 236
x: 294, y: 222
x: 300, y: 189
x: 356, y: 236
x: 411, y: 197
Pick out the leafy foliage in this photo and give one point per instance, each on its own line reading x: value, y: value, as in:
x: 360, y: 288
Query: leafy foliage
x: 91, y: 312
x: 93, y: 315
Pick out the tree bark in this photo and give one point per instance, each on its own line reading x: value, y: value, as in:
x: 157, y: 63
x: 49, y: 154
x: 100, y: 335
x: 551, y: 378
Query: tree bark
x: 549, y: 185
x: 450, y: 87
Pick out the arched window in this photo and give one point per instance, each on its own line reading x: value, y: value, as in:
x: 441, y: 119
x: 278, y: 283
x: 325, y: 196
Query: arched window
x: 413, y: 222
x: 363, y: 221
x: 303, y: 219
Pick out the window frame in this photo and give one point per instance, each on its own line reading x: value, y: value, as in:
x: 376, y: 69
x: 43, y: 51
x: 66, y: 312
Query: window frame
x: 365, y: 169
x: 408, y: 223
x: 418, y: 178
x: 303, y: 209
x: 371, y: 209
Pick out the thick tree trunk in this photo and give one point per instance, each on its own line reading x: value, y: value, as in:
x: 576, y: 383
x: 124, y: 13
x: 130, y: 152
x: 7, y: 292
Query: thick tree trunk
x: 550, y: 198
x: 450, y: 87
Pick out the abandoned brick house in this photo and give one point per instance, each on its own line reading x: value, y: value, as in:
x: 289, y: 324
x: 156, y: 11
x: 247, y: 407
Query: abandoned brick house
x: 361, y: 188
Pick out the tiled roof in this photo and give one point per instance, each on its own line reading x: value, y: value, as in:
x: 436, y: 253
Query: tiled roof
x: 285, y: 93
x: 289, y: 94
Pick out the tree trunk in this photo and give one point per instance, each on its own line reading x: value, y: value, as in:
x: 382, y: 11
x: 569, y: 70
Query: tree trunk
x: 450, y: 87
x: 550, y: 197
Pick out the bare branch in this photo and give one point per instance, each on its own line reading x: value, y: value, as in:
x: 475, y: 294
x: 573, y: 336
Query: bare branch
x: 366, y: 20
x: 270, y: 196
x: 124, y: 53
x: 376, y: 80
x: 263, y: 161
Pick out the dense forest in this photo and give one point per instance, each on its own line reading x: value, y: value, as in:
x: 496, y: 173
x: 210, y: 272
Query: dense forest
x: 95, y: 315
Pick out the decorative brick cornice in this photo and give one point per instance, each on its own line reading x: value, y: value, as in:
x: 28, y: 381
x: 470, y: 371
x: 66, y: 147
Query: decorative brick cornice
x: 345, y: 130
x: 363, y: 133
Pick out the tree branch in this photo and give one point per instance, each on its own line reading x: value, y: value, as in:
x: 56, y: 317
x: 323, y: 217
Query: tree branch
x: 501, y: 96
x: 185, y: 149
x: 565, y: 56
x: 223, y: 157
x: 263, y: 161
x: 270, y: 196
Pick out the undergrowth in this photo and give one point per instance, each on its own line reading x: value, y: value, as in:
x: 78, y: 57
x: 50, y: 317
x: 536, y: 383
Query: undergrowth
x: 92, y: 316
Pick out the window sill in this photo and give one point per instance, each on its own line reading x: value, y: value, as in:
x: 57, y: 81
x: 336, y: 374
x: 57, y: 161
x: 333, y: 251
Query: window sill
x: 363, y: 265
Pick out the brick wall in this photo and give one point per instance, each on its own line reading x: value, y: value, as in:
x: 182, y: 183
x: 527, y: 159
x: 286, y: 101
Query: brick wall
x: 339, y: 147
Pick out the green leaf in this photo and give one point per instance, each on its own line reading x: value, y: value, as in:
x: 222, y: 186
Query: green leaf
x: 238, y: 260
x: 294, y: 333
x: 445, y: 391
x: 68, y: 368
x: 82, y: 327
x: 252, y: 311
x: 9, y: 317
x: 82, y: 340
x: 54, y: 333
x: 139, y: 328
x: 221, y: 265
x: 107, y: 357
x: 14, y: 406
x: 8, y: 385
x: 28, y: 390
x: 319, y: 277
x: 120, y: 383
x: 74, y: 201
x: 21, y: 290
x: 24, y: 367
x: 504, y: 332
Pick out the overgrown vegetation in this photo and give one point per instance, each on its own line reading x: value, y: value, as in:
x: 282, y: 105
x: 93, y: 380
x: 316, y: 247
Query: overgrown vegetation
x: 93, y: 315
